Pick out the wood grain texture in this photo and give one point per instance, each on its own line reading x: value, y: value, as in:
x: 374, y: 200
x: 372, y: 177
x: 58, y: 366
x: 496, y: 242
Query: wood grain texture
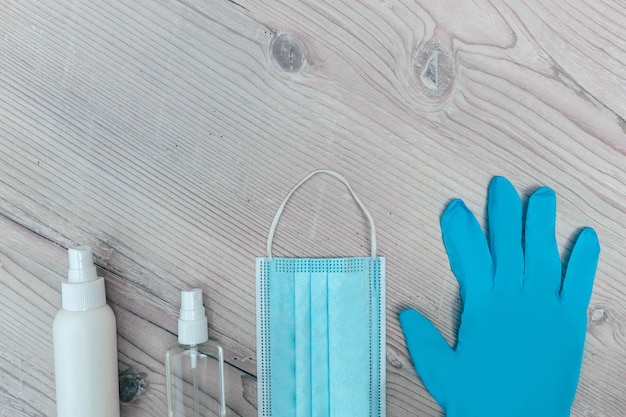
x: 165, y: 134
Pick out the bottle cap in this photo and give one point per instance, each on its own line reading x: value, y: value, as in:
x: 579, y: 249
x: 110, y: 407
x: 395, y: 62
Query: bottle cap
x: 193, y: 327
x: 83, y: 290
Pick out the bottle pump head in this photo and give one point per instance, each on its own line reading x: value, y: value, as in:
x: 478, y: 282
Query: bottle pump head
x: 83, y: 290
x: 81, y: 268
x: 193, y: 327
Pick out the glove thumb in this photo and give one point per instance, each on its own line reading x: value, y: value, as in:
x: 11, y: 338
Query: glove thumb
x: 432, y: 356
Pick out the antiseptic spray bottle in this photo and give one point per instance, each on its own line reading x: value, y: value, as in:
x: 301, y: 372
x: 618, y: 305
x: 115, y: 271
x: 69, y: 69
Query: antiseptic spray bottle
x: 195, y: 366
x: 85, y: 344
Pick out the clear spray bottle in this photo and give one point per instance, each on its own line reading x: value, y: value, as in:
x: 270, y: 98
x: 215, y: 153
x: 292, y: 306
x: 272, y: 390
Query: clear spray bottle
x: 195, y: 366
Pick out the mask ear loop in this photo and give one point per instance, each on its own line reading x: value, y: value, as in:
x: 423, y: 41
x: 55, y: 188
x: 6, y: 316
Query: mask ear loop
x: 279, y: 212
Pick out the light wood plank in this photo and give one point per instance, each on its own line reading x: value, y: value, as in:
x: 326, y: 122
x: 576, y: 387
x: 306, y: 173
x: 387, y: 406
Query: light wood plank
x: 165, y: 133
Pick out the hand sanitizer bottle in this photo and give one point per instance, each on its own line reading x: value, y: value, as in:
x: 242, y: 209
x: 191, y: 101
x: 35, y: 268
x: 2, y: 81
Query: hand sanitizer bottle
x: 85, y: 343
x: 194, y: 367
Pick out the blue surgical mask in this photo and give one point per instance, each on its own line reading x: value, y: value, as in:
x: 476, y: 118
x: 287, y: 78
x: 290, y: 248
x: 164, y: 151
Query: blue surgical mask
x: 321, y: 331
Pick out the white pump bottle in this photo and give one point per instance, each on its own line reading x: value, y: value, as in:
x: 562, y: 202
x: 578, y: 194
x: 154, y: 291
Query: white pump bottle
x: 85, y: 344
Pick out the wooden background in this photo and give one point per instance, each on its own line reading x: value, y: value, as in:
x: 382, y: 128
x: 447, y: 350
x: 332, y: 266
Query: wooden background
x: 165, y: 133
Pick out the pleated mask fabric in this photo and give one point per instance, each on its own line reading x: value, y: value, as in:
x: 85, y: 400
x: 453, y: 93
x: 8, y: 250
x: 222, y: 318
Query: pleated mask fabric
x: 321, y: 331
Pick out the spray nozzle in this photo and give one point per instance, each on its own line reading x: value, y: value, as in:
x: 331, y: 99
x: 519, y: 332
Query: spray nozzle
x: 83, y: 290
x: 192, y: 324
x: 191, y: 307
x: 82, y: 268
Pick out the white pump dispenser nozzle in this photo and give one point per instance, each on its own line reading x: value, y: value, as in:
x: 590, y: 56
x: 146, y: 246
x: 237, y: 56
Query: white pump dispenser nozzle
x: 83, y: 290
x: 81, y: 268
x: 193, y: 327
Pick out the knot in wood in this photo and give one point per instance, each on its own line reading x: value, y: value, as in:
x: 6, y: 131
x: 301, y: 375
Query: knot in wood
x: 434, y: 69
x: 288, y: 53
x: 132, y: 385
x: 597, y: 315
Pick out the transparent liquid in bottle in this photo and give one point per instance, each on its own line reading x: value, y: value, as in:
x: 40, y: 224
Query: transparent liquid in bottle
x: 195, y: 380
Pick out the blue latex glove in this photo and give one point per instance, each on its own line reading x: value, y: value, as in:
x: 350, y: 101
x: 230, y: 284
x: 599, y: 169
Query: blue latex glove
x: 522, y: 331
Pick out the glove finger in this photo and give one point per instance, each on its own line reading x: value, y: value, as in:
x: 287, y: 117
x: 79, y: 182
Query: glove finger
x: 467, y: 250
x: 504, y: 210
x: 581, y: 269
x: 542, y: 261
x: 432, y: 356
